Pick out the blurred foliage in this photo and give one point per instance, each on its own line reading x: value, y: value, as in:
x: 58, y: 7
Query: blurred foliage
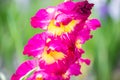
x: 15, y: 31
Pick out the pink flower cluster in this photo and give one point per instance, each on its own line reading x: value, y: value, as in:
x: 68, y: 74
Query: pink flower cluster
x: 57, y: 51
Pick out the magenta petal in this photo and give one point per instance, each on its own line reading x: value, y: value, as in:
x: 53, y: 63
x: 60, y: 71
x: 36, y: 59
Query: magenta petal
x: 57, y: 68
x: 93, y: 24
x: 23, y: 69
x: 74, y: 69
x: 36, y: 22
x: 65, y: 19
x: 66, y: 7
x: 46, y: 76
x: 41, y: 19
x: 82, y: 9
x: 84, y: 35
x: 57, y: 44
x: 36, y: 73
x: 35, y: 45
x: 87, y: 61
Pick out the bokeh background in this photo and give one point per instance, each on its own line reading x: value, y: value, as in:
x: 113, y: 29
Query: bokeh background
x: 103, y: 49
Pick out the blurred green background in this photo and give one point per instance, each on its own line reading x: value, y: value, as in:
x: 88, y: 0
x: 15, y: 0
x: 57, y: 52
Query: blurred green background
x: 103, y: 49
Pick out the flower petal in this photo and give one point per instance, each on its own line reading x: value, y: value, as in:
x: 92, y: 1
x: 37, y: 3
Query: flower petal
x: 87, y: 61
x: 63, y: 18
x: 93, y: 24
x: 23, y: 69
x: 84, y: 35
x: 74, y: 69
x: 35, y: 45
x: 41, y: 19
x: 66, y: 7
x: 82, y: 10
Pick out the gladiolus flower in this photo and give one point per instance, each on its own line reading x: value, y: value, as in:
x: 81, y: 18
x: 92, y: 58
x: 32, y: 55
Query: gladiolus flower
x: 57, y: 52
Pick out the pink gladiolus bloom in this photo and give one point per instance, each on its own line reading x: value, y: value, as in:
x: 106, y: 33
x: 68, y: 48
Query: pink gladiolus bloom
x: 57, y: 52
x: 63, y: 13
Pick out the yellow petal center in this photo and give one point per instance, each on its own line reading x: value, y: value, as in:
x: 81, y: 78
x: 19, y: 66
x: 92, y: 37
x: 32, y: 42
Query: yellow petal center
x: 38, y: 78
x: 52, y: 56
x: 59, y: 30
